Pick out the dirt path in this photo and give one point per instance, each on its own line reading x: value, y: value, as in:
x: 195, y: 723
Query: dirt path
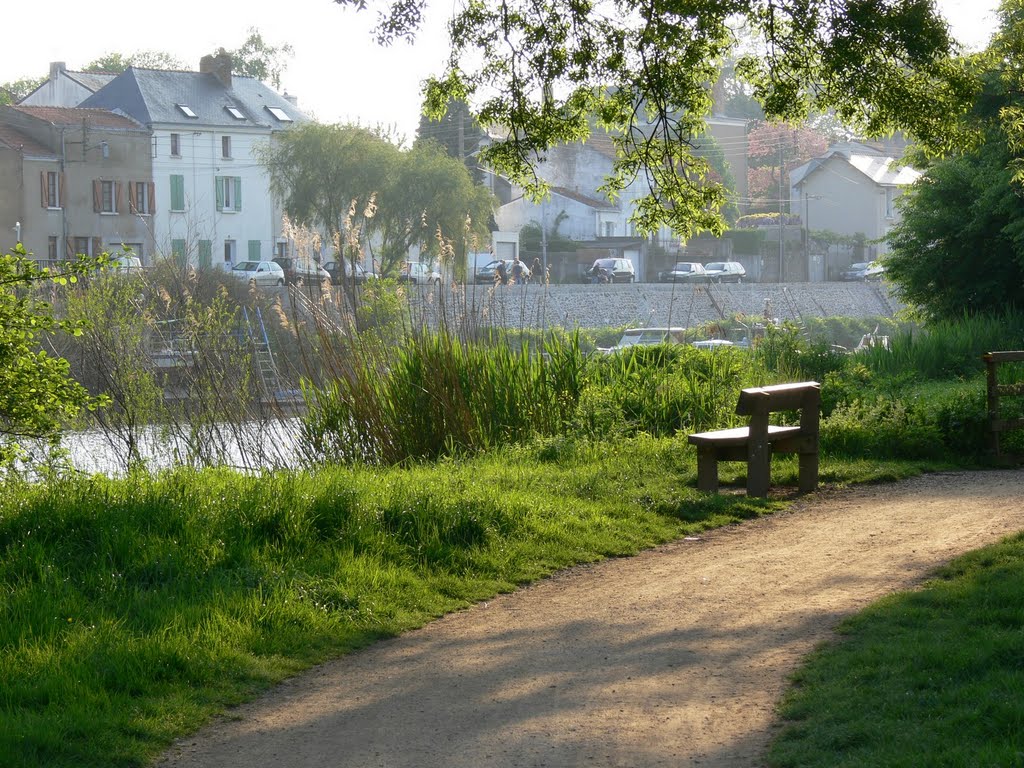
x: 675, y: 657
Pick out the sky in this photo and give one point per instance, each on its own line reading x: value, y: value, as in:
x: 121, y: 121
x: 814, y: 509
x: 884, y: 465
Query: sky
x: 338, y: 72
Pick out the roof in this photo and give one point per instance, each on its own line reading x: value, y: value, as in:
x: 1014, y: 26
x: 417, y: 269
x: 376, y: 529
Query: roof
x: 15, y: 139
x: 95, y: 118
x: 156, y: 96
x: 589, y: 201
x: 878, y: 168
x: 93, y: 81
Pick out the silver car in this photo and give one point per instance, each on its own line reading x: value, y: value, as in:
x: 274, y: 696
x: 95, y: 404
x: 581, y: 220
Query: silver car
x: 265, y: 273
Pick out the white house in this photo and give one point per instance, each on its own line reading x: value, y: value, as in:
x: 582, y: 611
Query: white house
x: 65, y: 88
x: 213, y: 203
x: 850, y: 190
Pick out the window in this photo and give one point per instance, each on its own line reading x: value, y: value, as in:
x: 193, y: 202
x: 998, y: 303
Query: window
x: 890, y: 196
x: 225, y: 147
x: 81, y: 246
x: 179, y: 252
x: 51, y: 249
x: 140, y: 197
x: 229, y: 193
x: 205, y: 253
x: 279, y: 114
x: 175, y: 145
x: 177, y: 192
x: 609, y: 229
x: 235, y: 112
x: 187, y: 111
x: 51, y: 189
x: 282, y: 250
x: 229, y: 251
x: 107, y: 197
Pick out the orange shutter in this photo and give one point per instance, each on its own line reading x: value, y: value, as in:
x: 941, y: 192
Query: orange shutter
x: 119, y: 197
x: 133, y: 203
x: 69, y: 248
x: 97, y: 246
x: 97, y: 192
x: 151, y: 198
x: 43, y: 198
x: 60, y: 191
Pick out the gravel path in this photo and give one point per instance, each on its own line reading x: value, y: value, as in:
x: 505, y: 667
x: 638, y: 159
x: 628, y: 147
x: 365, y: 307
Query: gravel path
x: 675, y: 657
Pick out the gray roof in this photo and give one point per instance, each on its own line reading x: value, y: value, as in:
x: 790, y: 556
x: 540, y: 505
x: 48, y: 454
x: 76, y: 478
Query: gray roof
x: 152, y: 96
x: 91, y: 80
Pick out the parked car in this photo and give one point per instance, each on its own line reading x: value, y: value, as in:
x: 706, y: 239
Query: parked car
x: 724, y: 272
x: 334, y: 269
x: 863, y: 270
x: 266, y: 273
x: 419, y: 273
x: 618, y: 270
x: 486, y: 273
x: 647, y: 336
x: 713, y: 344
x: 125, y: 263
x: 301, y: 270
x: 684, y: 272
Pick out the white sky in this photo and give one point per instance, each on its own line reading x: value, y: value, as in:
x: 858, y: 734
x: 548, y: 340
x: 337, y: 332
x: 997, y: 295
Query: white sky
x: 338, y: 72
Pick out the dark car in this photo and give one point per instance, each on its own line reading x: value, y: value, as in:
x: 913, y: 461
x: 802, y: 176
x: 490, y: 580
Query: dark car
x: 301, y: 271
x: 334, y: 269
x: 684, y: 272
x: 724, y: 272
x: 615, y: 270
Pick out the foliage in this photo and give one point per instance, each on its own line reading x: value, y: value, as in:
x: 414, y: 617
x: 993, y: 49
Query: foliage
x: 37, y: 395
x: 258, y: 59
x: 766, y: 220
x: 747, y: 240
x: 543, y: 71
x: 925, y: 677
x: 459, y: 133
x: 116, y: 63
x: 960, y: 245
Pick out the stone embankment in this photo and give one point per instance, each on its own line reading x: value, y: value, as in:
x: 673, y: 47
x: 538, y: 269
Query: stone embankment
x: 650, y: 304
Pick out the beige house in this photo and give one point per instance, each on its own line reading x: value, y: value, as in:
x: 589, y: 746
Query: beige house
x: 75, y: 181
x: 851, y: 190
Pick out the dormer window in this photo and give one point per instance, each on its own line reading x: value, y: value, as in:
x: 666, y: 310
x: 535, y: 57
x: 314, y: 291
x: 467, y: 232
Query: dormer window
x: 279, y: 114
x: 187, y: 111
x: 235, y: 112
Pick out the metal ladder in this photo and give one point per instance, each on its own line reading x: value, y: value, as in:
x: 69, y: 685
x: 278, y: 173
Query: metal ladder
x: 263, y: 358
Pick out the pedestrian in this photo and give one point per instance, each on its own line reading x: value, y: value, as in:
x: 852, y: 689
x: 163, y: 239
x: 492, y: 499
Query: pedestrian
x: 501, y: 273
x: 518, y: 271
x: 537, y: 271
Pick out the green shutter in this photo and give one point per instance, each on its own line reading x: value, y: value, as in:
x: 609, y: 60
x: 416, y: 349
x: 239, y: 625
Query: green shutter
x: 178, y: 252
x: 177, y: 193
x: 218, y: 182
x: 205, y: 254
x: 254, y: 250
x: 238, y: 193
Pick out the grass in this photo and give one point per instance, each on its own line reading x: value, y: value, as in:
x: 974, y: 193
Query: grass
x: 932, y: 677
x: 135, y: 609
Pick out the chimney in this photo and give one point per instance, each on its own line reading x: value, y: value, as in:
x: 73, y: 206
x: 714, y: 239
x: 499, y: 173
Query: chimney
x: 218, y: 65
x: 291, y: 98
x: 56, y: 67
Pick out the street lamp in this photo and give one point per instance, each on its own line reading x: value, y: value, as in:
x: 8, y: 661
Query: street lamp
x: 17, y: 231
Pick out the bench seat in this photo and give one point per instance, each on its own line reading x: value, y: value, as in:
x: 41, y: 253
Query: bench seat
x: 740, y: 435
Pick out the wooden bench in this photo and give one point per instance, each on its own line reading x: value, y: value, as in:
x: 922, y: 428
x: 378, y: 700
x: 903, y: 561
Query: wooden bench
x: 756, y: 443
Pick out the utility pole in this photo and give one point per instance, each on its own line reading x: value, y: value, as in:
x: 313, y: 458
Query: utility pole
x: 782, y: 227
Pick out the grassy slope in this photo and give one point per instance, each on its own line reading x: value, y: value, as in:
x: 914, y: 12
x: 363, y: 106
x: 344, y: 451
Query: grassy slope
x: 135, y: 609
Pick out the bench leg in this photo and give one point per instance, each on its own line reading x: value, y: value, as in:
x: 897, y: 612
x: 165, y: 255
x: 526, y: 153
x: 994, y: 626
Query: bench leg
x: 808, y: 472
x: 759, y: 462
x: 707, y: 469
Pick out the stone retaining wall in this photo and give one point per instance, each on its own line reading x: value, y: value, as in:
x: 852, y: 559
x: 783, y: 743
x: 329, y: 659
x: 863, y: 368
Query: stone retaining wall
x: 649, y: 304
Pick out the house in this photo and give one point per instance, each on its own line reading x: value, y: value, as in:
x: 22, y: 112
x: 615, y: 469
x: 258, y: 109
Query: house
x: 577, y: 210
x: 64, y: 88
x: 851, y: 190
x: 74, y: 181
x: 213, y: 199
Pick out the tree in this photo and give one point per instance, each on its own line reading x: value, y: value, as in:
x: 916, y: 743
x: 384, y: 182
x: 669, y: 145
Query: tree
x: 429, y: 201
x: 541, y: 69
x: 960, y: 244
x: 774, y: 149
x: 16, y: 90
x: 459, y: 133
x: 256, y: 58
x: 116, y: 63
x: 37, y: 395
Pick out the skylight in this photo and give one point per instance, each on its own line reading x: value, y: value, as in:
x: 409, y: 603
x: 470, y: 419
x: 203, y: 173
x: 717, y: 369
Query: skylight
x: 280, y: 114
x: 235, y: 112
x: 187, y: 111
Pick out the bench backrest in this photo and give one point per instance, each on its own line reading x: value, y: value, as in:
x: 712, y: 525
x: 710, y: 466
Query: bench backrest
x: 804, y: 396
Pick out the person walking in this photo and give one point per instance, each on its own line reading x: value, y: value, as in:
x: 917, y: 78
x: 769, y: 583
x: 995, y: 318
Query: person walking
x: 537, y: 271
